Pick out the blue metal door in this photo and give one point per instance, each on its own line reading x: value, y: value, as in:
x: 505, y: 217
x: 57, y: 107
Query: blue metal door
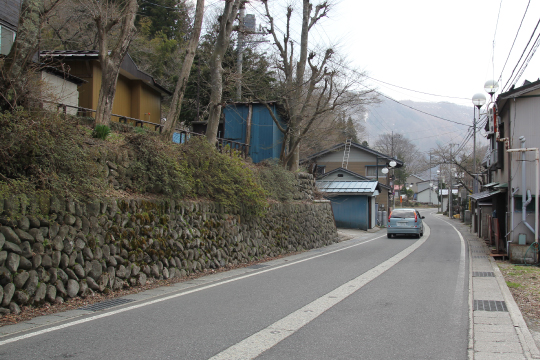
x: 351, y: 211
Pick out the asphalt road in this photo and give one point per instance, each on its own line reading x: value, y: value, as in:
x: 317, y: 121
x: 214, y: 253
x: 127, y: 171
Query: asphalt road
x: 368, y: 298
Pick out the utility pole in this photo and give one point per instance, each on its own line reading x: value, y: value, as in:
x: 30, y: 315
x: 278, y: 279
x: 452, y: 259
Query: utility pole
x: 450, y: 203
x: 475, y: 183
x: 430, y: 180
x: 393, y: 175
x: 240, y: 51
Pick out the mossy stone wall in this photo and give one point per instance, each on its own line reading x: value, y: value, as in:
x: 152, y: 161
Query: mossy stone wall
x: 76, y: 249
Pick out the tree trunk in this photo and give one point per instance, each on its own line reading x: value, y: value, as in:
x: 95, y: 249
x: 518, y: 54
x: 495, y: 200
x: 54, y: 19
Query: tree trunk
x: 16, y: 71
x: 176, y: 103
x: 225, y: 28
x: 109, y: 79
x: 111, y: 62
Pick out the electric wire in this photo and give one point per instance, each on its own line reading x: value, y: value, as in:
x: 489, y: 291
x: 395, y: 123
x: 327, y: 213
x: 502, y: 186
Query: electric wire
x: 525, y: 49
x: 528, y: 58
x: 513, y: 43
x: 361, y: 74
x: 494, y: 35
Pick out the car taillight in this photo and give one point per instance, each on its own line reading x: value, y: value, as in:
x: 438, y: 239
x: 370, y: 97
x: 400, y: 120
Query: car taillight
x: 415, y: 217
x: 389, y: 216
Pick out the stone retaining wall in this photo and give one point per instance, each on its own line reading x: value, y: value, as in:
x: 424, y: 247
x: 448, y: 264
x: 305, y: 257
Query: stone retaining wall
x: 108, y: 245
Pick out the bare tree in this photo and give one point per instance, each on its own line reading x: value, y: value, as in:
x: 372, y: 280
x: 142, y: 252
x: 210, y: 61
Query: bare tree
x: 313, y: 84
x: 460, y: 159
x: 107, y: 14
x: 176, y: 102
x: 16, y: 69
x: 230, y: 12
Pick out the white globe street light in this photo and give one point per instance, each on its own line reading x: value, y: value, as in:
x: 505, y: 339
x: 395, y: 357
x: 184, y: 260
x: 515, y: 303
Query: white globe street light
x: 478, y: 100
x: 384, y: 171
x: 392, y: 163
x: 491, y: 87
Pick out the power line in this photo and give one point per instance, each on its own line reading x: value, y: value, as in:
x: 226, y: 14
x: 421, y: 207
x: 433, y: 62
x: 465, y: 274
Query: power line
x: 420, y: 92
x: 423, y: 112
x: 525, y: 49
x: 494, y: 34
x: 517, y: 33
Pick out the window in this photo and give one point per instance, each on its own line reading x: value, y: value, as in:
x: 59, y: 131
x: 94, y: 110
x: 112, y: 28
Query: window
x: 339, y: 175
x: 321, y: 169
x: 372, y: 171
x: 6, y: 40
x: 402, y: 214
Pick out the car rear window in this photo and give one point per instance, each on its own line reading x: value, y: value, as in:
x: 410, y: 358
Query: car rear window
x: 402, y: 214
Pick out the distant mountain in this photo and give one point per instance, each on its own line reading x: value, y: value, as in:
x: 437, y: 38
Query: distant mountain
x: 422, y: 129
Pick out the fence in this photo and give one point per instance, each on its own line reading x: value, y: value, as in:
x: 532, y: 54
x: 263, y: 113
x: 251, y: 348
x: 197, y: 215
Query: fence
x: 81, y: 111
x: 224, y: 146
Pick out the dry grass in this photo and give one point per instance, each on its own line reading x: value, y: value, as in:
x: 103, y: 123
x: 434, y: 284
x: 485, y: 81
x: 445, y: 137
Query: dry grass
x: 524, y: 284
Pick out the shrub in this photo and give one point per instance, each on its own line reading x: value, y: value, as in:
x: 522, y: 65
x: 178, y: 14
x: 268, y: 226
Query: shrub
x: 101, y: 132
x: 46, y: 152
x: 279, y: 183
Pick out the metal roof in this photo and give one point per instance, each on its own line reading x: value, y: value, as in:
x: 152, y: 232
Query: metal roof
x: 349, y: 187
x: 484, y: 194
x: 491, y: 184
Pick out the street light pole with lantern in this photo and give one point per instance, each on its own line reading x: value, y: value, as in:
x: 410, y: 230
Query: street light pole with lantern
x: 385, y: 171
x: 478, y: 100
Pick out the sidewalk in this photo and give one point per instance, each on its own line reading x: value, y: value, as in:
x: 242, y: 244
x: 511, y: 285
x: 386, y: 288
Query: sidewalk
x: 497, y: 330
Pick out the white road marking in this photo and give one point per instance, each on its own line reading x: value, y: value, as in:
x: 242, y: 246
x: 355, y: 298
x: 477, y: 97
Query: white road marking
x: 460, y: 280
x: 265, y: 339
x: 151, y: 302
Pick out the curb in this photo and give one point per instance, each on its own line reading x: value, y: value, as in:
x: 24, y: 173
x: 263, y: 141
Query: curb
x: 524, y: 334
x: 470, y: 348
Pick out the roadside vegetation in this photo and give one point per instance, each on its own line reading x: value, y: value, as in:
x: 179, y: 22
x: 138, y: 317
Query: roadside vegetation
x: 47, y: 153
x: 524, y: 284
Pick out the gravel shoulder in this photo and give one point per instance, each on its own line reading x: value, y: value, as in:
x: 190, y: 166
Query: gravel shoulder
x: 524, y: 284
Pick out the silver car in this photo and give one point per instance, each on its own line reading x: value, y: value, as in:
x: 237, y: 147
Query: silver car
x: 405, y: 222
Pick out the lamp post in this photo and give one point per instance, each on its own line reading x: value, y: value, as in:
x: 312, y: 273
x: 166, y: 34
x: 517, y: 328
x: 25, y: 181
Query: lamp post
x: 385, y: 171
x: 430, y: 191
x: 439, y: 191
x: 478, y: 100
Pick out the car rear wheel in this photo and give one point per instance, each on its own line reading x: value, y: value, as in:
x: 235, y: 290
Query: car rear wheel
x: 389, y: 236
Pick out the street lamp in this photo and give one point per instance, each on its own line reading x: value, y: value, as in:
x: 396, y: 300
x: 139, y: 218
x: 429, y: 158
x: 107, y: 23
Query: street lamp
x: 491, y: 87
x: 439, y: 191
x: 478, y: 100
x: 385, y: 170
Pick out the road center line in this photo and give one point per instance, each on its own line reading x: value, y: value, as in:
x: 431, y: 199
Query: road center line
x: 151, y: 302
x: 265, y: 339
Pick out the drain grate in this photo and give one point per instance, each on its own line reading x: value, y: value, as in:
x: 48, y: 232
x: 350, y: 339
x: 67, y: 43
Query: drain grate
x: 479, y: 251
x: 490, y: 305
x: 483, y: 274
x: 106, y: 304
x: 480, y: 257
x: 257, y: 266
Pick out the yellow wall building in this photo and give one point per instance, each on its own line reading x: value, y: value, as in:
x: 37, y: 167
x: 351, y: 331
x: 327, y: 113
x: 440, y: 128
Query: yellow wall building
x: 137, y: 95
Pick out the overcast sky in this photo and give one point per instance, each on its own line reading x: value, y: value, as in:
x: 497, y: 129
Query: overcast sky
x: 432, y: 46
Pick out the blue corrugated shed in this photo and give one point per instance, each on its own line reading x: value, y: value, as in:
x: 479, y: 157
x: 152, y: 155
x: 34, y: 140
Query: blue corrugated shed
x: 351, y: 211
x: 266, y: 138
x: 351, y: 201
